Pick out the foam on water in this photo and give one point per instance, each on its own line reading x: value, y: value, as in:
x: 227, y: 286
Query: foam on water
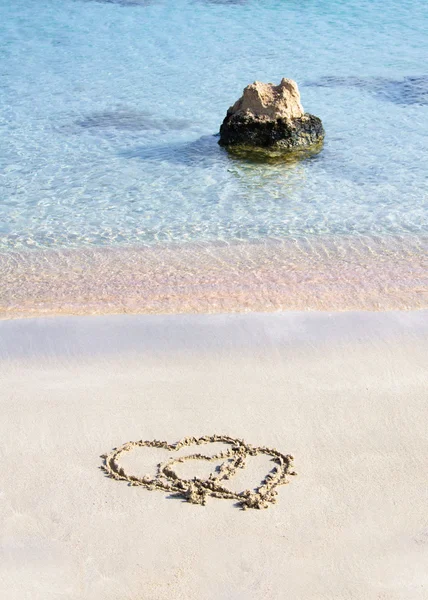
x: 108, y: 111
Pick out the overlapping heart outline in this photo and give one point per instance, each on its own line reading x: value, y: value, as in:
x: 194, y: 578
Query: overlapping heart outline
x: 197, y: 490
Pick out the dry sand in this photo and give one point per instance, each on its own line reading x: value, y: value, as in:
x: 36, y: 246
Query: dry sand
x: 345, y: 393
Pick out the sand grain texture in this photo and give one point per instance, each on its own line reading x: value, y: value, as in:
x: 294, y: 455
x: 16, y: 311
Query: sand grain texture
x: 346, y: 394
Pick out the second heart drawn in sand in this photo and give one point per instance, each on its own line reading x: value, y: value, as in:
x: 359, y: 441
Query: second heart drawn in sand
x: 196, y: 490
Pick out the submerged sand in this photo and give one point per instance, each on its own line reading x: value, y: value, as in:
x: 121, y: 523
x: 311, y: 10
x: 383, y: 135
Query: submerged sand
x: 346, y: 394
x: 320, y: 273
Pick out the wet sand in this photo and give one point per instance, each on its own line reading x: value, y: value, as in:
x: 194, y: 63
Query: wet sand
x: 324, y: 273
x: 345, y: 393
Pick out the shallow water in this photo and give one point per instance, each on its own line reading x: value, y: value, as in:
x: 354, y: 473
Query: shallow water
x: 346, y: 273
x: 109, y: 111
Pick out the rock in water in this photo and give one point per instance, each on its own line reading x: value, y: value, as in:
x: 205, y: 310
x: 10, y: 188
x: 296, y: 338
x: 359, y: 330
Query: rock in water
x: 270, y: 117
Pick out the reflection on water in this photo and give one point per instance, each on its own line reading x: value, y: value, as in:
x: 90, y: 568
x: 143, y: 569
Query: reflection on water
x: 281, y: 176
x: 205, y: 152
x: 264, y: 156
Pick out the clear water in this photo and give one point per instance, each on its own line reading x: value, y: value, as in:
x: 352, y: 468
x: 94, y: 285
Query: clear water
x: 108, y: 111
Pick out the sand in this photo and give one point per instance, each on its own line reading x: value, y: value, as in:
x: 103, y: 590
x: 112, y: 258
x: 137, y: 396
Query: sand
x: 232, y: 460
x: 345, y: 393
x: 325, y: 274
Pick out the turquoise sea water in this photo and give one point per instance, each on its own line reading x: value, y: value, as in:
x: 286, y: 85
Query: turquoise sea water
x: 108, y: 111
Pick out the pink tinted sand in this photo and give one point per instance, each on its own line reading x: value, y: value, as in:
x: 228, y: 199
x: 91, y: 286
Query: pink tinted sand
x: 325, y: 274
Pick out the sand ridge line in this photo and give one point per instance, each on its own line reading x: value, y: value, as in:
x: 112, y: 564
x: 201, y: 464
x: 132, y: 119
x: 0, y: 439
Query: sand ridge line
x: 197, y: 490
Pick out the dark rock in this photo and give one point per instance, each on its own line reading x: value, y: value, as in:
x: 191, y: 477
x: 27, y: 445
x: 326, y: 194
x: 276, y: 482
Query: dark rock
x: 276, y: 133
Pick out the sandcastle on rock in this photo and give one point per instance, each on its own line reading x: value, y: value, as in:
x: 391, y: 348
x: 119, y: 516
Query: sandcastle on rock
x: 271, y: 117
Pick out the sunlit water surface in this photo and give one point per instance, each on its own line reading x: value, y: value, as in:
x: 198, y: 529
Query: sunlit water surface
x: 109, y: 110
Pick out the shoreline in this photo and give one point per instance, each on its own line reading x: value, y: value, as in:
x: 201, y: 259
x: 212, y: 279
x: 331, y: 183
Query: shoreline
x: 102, y: 336
x: 350, y: 273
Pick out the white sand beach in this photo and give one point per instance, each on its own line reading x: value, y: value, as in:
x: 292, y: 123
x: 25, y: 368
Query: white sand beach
x: 345, y: 393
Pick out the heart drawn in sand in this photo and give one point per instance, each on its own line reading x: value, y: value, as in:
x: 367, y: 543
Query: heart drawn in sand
x: 196, y: 490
